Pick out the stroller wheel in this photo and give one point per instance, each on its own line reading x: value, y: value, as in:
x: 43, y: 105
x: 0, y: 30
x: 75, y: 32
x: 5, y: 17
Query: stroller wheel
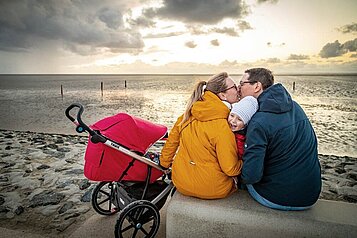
x: 138, y: 219
x: 103, y: 199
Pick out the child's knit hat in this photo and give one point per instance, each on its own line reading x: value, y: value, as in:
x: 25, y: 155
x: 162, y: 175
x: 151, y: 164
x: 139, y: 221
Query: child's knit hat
x: 245, y: 108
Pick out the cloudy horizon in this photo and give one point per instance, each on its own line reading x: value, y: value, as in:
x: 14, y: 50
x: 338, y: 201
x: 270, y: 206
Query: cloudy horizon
x: 177, y: 36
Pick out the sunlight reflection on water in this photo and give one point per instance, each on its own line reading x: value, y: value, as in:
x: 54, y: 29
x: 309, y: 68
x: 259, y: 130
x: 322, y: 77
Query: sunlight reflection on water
x: 35, y: 104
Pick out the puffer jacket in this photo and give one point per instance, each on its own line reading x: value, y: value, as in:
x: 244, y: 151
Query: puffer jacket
x: 206, y: 157
x: 280, y: 157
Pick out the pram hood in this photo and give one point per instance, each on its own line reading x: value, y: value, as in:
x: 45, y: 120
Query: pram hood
x: 132, y: 132
x: 103, y: 163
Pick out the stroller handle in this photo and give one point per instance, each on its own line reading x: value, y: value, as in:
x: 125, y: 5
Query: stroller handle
x: 81, y: 126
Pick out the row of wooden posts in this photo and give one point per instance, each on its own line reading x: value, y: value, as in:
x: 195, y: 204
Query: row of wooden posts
x: 101, y: 88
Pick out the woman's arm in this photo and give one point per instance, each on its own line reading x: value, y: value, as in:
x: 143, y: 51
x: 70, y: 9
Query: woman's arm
x: 171, y: 145
x: 226, y: 149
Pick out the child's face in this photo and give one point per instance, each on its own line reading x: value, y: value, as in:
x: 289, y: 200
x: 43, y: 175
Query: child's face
x: 235, y: 122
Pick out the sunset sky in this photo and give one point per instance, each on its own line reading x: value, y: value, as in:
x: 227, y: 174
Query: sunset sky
x: 177, y: 36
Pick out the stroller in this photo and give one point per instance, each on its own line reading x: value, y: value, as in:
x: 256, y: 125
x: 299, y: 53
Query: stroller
x: 131, y: 180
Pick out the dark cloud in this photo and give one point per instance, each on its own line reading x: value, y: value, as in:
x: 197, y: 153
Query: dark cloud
x: 298, y: 57
x: 83, y: 27
x: 332, y: 50
x: 337, y: 49
x: 199, y: 11
x: 191, y: 44
x: 350, y: 46
x: 111, y: 17
x: 349, y: 28
x: 215, y: 42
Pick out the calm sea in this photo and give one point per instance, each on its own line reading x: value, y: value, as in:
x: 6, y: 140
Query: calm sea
x: 35, y: 103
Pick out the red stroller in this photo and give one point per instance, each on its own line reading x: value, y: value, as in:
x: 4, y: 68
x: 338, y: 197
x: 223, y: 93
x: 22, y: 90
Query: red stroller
x: 131, y: 180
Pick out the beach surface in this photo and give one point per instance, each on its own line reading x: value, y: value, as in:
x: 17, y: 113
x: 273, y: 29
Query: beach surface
x: 43, y: 190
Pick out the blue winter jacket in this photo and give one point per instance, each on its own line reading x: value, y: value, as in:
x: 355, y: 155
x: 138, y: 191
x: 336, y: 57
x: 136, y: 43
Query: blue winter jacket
x: 280, y: 158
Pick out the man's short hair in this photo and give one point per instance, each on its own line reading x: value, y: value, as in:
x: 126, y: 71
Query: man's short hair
x: 262, y: 75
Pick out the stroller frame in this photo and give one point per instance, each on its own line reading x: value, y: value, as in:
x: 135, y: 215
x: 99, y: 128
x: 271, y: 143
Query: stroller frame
x: 141, y: 214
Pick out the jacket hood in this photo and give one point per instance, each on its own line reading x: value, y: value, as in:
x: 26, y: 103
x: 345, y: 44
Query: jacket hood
x: 211, y: 108
x: 275, y: 99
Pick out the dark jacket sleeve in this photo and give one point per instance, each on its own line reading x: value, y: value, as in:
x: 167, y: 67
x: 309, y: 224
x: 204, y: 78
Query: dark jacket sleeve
x: 254, y: 154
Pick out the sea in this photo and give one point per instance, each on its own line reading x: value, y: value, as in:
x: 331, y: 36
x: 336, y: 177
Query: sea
x: 38, y: 102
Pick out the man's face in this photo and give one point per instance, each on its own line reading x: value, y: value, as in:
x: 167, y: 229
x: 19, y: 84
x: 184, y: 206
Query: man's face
x: 245, y: 87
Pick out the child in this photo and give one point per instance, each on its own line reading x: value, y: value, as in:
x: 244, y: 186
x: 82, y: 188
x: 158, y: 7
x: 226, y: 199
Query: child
x: 240, y: 115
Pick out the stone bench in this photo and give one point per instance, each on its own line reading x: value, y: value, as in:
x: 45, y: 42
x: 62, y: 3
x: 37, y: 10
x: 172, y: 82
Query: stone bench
x: 240, y: 216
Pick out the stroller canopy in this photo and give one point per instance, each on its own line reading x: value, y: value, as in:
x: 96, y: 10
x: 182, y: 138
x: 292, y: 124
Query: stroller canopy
x: 134, y: 133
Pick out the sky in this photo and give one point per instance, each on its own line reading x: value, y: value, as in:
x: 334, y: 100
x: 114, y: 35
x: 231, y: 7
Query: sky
x: 177, y: 36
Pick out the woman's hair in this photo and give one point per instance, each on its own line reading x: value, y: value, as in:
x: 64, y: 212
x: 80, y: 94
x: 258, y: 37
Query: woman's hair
x: 215, y: 84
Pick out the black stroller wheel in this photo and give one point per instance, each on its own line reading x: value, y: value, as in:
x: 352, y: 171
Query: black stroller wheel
x: 104, y: 199
x: 139, y: 219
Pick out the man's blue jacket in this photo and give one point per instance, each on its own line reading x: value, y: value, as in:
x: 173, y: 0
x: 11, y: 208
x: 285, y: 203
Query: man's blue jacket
x: 280, y: 157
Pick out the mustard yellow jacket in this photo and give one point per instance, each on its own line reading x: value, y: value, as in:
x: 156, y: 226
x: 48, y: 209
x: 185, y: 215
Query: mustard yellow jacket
x: 203, y: 152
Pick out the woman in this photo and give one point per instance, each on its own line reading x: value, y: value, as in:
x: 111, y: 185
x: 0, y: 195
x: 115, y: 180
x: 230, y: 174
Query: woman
x: 206, y: 158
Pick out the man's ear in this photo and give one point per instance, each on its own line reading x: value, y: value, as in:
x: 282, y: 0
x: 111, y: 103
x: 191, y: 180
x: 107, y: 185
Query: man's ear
x: 258, y: 87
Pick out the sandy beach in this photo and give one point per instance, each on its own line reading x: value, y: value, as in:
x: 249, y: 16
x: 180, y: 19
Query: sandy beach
x: 43, y: 189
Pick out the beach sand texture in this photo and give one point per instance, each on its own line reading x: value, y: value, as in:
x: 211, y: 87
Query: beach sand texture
x: 42, y: 187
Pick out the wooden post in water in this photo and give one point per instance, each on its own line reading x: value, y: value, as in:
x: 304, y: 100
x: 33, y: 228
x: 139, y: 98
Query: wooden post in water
x: 61, y: 91
x: 101, y: 87
x: 294, y: 86
x: 125, y: 84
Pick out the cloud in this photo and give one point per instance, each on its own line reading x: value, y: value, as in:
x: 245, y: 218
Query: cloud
x: 298, y: 57
x: 273, y: 60
x: 331, y: 50
x: 267, y: 1
x: 144, y: 20
x: 199, y: 11
x: 225, y: 30
x: 84, y: 27
x: 163, y: 35
x: 350, y: 46
x: 244, y: 25
x: 198, y: 30
x: 111, y: 17
x: 191, y: 44
x: 349, y: 28
x: 215, y: 42
x: 337, y: 49
x: 269, y: 44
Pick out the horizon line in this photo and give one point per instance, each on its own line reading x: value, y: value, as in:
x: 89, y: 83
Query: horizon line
x: 183, y: 74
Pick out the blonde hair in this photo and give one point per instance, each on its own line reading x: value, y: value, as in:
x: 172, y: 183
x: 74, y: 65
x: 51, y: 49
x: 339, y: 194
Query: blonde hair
x: 216, y: 84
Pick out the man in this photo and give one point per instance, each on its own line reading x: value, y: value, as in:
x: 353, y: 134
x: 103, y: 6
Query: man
x: 281, y: 167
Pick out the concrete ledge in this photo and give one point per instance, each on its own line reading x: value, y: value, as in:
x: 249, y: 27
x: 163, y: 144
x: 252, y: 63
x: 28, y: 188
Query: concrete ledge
x: 240, y: 216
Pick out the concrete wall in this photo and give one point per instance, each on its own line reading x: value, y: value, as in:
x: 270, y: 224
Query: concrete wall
x: 240, y: 216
